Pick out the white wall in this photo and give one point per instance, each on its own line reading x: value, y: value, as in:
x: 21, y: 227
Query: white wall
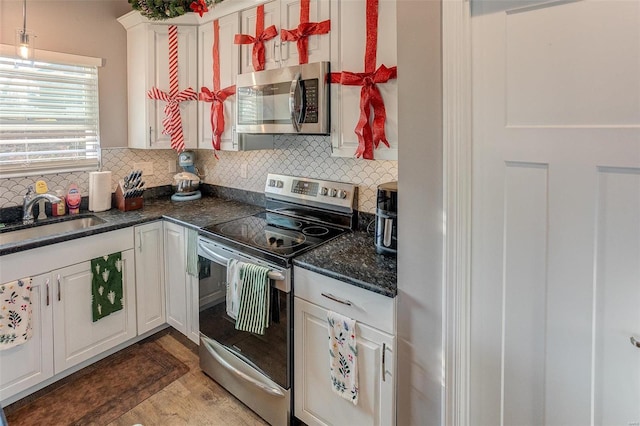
x: 86, y: 28
x: 420, y: 224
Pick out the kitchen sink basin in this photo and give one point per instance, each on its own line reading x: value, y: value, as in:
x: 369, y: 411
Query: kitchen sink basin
x: 40, y: 230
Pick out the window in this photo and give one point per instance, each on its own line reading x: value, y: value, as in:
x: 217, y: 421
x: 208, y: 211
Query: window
x: 48, y: 115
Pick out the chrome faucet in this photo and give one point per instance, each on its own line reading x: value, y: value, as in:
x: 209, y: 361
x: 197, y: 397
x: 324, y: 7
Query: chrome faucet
x: 30, y: 200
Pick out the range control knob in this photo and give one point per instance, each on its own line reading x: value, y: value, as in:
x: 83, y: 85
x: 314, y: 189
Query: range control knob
x: 342, y: 193
x: 272, y: 182
x: 333, y: 192
x: 324, y: 190
x: 279, y: 183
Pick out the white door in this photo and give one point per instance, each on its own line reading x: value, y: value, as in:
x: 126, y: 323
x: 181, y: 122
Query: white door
x: 556, y: 213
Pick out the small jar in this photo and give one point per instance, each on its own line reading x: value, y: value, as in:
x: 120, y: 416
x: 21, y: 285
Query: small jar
x: 59, y: 209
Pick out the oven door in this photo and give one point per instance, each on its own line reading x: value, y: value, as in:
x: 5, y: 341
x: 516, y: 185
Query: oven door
x: 255, y: 368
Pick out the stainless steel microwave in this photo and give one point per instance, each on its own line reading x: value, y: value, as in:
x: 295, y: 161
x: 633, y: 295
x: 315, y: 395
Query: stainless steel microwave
x: 284, y: 101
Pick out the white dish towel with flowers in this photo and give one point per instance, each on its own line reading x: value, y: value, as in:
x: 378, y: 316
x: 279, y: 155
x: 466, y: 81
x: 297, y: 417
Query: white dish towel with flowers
x: 343, y: 356
x: 15, y: 313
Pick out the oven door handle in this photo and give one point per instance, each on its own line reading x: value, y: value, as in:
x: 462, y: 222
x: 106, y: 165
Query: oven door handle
x: 274, y: 275
x: 215, y: 256
x: 270, y: 387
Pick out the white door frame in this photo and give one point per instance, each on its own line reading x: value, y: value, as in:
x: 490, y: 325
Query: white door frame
x: 457, y: 161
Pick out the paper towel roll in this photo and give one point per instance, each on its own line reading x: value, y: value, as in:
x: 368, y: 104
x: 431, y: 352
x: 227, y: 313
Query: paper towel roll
x: 99, y: 191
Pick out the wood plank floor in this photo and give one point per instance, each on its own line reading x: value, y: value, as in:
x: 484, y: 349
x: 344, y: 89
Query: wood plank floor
x: 193, y: 399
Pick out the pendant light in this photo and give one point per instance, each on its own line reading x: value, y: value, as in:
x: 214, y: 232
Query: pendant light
x: 24, y: 40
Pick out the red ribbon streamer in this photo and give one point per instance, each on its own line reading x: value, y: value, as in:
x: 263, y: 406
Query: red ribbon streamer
x: 305, y: 29
x: 172, y: 122
x: 369, y: 134
x: 217, y: 97
x: 262, y: 35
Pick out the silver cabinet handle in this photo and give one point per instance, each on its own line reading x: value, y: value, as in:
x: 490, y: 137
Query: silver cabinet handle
x: 59, y: 289
x: 47, y: 289
x: 140, y: 241
x: 634, y: 342
x: 384, y: 352
x: 337, y: 299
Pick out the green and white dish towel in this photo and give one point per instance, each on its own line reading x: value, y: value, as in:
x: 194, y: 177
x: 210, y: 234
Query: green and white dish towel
x: 106, y: 285
x: 253, y: 311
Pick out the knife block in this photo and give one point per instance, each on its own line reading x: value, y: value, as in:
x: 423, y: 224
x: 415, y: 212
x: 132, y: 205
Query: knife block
x: 126, y: 204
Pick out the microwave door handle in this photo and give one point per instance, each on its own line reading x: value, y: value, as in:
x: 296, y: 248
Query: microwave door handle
x: 295, y: 87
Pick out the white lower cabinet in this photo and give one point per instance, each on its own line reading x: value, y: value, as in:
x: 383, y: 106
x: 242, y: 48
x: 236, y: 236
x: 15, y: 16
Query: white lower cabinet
x: 77, y: 338
x: 315, y: 402
x: 181, y: 288
x: 30, y: 363
x: 150, y: 294
x: 64, y: 334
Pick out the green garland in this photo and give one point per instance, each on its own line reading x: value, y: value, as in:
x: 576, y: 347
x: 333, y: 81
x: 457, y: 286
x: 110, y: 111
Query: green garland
x: 165, y: 9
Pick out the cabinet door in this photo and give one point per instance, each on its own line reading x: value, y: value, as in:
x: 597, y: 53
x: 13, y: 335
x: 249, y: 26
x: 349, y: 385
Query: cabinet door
x: 30, y: 363
x: 248, y: 26
x: 229, y: 53
x: 77, y: 337
x: 158, y: 76
x: 175, y: 276
x: 149, y: 276
x: 315, y: 402
x: 348, y: 25
x: 319, y: 45
x: 193, y: 310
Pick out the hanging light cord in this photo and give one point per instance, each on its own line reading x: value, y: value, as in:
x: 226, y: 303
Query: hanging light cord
x: 24, y: 19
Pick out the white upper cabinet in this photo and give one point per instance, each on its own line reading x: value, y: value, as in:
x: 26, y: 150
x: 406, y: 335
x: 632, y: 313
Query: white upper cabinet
x: 148, y: 67
x: 285, y: 14
x: 348, y: 45
x: 229, y: 65
x: 248, y: 26
x: 319, y: 45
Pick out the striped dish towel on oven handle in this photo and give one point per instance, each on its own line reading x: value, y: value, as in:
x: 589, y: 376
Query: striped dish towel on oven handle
x: 253, y: 312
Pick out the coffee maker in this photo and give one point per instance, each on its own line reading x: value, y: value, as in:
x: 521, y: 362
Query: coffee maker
x: 387, y: 219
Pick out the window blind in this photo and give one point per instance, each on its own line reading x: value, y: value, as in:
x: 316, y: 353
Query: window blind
x: 48, y: 117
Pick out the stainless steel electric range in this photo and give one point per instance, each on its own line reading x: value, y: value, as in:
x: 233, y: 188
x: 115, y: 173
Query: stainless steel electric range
x: 301, y: 213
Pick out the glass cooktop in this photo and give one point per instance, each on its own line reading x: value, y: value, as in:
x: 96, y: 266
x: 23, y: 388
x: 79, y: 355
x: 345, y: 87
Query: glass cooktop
x: 272, y: 235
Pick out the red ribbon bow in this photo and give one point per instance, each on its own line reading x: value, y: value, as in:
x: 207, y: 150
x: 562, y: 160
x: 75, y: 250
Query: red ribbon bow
x: 370, y: 97
x: 199, y: 7
x: 262, y: 35
x: 172, y: 122
x: 217, y: 110
x: 217, y: 96
x: 369, y: 135
x: 304, y: 30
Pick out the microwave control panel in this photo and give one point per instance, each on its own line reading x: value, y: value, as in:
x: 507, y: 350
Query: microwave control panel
x: 311, y: 100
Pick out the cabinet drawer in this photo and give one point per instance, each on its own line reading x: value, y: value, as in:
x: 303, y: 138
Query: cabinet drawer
x: 354, y: 302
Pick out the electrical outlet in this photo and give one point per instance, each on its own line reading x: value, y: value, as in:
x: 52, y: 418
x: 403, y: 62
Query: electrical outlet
x: 243, y: 170
x: 145, y: 166
x: 171, y: 166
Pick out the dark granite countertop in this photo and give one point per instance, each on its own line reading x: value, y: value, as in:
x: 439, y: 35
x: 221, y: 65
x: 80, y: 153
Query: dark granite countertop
x: 194, y: 214
x: 351, y: 258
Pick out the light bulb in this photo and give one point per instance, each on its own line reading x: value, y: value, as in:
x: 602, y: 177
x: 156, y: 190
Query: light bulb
x: 24, y: 44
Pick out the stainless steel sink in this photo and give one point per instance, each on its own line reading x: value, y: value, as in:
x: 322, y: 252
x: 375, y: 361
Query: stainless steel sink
x: 47, y: 229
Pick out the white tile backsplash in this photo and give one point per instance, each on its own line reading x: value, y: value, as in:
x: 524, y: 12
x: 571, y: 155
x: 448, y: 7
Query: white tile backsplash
x: 295, y: 155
